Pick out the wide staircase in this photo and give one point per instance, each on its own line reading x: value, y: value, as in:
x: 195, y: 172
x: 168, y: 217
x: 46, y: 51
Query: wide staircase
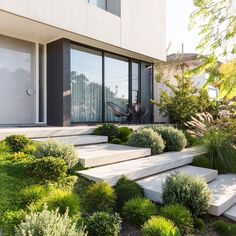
x: 109, y: 162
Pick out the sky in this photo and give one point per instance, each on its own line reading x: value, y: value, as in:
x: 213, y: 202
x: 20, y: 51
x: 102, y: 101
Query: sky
x: 178, y: 18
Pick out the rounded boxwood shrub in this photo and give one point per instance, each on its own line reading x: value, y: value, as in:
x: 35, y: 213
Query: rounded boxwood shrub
x: 199, y: 224
x: 100, y: 197
x: 124, y: 133
x: 48, y: 169
x: 48, y: 223
x: 147, y: 138
x: 175, y: 139
x: 160, y: 226
x: 55, y: 149
x: 116, y: 141
x: 103, y: 224
x: 126, y: 190
x: 224, y: 228
x: 17, y: 142
x: 180, y: 215
x: 109, y: 130
x: 189, y: 191
x: 138, y: 210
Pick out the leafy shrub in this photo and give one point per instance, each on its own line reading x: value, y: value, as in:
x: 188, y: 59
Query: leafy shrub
x: 4, y: 147
x: 31, y: 194
x: 147, y: 138
x: 55, y: 149
x: 126, y: 190
x: 159, y: 226
x: 116, y: 141
x: 189, y: 191
x: 109, y: 130
x: 124, y: 133
x: 104, y: 224
x: 48, y: 223
x: 199, y: 224
x: 175, y: 139
x: 17, y: 142
x: 48, y: 169
x: 100, y: 197
x: 138, y: 210
x: 180, y: 215
x: 31, y: 148
x: 224, y: 228
x: 202, y: 161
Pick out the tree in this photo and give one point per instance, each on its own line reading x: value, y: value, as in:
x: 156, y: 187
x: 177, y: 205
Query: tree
x: 216, y: 20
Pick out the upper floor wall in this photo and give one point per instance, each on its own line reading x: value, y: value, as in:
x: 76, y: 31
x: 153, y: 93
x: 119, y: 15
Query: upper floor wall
x: 138, y: 26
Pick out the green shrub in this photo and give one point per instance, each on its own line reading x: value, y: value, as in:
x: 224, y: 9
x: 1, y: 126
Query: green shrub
x: 189, y: 191
x: 31, y: 148
x: 224, y: 228
x: 55, y: 149
x: 116, y: 141
x: 4, y: 147
x: 48, y: 169
x: 126, y: 190
x: 124, y: 133
x: 17, y: 142
x: 31, y: 194
x: 202, y: 161
x: 109, y: 130
x: 147, y: 138
x: 180, y: 215
x: 138, y: 210
x: 174, y: 139
x: 199, y: 224
x: 159, y: 226
x: 48, y: 223
x: 100, y: 197
x: 104, y: 224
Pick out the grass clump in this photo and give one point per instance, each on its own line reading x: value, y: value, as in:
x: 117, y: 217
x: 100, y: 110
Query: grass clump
x: 224, y: 228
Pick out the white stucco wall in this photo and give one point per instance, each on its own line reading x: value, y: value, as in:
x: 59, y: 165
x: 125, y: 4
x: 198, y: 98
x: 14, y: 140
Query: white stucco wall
x: 141, y: 27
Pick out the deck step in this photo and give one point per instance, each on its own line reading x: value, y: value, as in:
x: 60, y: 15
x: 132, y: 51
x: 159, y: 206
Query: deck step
x: 153, y: 185
x: 78, y: 139
x: 105, y: 154
x: 223, y: 194
x: 140, y: 168
x: 231, y: 213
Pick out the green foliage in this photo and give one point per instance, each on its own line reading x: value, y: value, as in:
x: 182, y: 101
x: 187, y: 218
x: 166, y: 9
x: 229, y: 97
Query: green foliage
x: 147, y: 138
x: 48, y: 223
x: 48, y: 169
x: 224, y: 228
x: 116, y: 141
x: 104, y: 224
x: 4, y: 147
x: 138, y: 210
x: 199, y: 224
x: 124, y: 133
x: 31, y: 194
x: 159, y: 226
x: 17, y: 142
x: 189, y: 191
x: 100, y: 197
x: 55, y: 149
x: 180, y: 215
x: 202, y: 161
x: 174, y: 139
x: 126, y: 190
x: 109, y: 130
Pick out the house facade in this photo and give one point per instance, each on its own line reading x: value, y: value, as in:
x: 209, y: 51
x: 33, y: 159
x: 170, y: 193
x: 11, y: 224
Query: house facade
x: 62, y: 61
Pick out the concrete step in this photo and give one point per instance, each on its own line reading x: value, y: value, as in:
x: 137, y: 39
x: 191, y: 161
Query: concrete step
x: 77, y: 140
x: 231, y: 213
x: 105, y: 154
x: 153, y: 185
x: 137, y: 169
x: 223, y: 194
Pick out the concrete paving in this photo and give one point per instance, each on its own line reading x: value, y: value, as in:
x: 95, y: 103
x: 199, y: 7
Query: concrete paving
x: 231, y: 213
x: 140, y: 168
x: 153, y: 185
x: 105, y: 154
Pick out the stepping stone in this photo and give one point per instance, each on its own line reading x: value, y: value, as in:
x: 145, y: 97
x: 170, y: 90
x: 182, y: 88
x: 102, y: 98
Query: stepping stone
x: 153, y: 185
x: 78, y: 139
x: 137, y: 169
x: 231, y: 213
x: 104, y: 154
x: 223, y: 191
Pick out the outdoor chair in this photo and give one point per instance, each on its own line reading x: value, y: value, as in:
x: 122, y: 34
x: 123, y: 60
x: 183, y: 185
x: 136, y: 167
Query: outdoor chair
x: 138, y: 111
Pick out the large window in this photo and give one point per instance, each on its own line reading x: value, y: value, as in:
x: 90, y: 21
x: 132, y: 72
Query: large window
x: 86, y: 84
x: 135, y: 82
x: 99, y: 3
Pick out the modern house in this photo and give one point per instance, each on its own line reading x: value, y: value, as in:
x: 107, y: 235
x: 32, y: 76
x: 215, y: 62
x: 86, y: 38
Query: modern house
x: 62, y: 61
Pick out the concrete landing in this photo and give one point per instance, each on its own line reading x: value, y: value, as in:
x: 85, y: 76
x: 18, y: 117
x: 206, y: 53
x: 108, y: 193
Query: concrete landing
x: 223, y: 194
x: 137, y: 169
x: 231, y: 213
x: 153, y: 185
x: 105, y: 154
x: 78, y: 140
